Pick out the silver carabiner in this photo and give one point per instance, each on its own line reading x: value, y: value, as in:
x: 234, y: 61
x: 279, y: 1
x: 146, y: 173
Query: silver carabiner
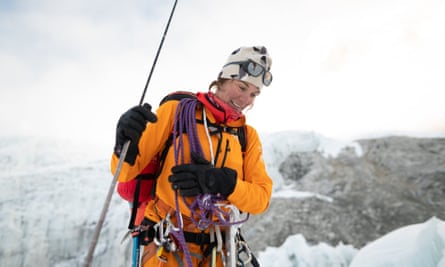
x: 243, y: 247
x: 162, y: 237
x: 158, y: 228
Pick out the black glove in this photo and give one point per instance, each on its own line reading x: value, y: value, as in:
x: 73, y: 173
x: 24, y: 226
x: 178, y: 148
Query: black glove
x: 130, y: 127
x: 202, y: 177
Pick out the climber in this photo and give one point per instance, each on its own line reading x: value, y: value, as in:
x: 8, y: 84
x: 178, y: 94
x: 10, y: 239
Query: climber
x: 213, y: 164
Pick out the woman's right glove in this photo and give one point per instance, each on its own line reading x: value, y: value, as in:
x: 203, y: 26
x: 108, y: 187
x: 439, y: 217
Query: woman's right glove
x: 201, y: 177
x: 130, y: 127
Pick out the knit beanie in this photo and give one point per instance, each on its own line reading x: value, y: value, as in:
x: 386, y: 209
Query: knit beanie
x: 245, y: 63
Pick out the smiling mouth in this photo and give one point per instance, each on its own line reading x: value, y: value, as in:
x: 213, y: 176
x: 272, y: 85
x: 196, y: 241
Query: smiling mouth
x: 236, y: 106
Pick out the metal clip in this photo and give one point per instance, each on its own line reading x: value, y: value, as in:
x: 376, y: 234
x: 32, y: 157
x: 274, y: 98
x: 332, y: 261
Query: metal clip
x: 243, y: 248
x: 162, y: 235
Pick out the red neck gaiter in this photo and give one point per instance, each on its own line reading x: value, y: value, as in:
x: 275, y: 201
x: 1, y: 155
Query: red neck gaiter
x: 222, y: 112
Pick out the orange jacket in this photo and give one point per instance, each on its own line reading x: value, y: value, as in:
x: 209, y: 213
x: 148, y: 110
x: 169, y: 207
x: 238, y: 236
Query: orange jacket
x: 253, y: 188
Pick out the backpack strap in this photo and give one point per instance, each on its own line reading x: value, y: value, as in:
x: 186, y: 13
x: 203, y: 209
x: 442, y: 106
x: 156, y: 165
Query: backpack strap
x: 135, y: 204
x: 242, y: 137
x: 178, y: 95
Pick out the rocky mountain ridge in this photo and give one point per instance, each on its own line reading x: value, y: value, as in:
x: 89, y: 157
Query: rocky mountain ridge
x: 393, y: 182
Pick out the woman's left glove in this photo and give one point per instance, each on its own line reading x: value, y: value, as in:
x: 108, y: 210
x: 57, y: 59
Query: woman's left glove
x: 202, y: 177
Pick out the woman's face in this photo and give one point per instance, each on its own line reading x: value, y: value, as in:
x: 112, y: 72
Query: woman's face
x: 238, y: 94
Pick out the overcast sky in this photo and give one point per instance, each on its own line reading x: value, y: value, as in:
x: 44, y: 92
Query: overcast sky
x: 341, y: 68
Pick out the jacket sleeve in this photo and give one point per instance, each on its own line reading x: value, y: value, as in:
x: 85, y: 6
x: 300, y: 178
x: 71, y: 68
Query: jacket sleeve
x: 152, y: 142
x: 253, y: 191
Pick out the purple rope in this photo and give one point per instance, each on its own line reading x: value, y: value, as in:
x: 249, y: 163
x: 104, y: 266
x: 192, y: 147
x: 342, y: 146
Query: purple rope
x: 192, y: 132
x: 207, y: 206
x: 185, y: 117
x: 179, y: 235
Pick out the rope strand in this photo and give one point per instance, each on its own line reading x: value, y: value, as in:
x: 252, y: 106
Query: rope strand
x: 212, y: 156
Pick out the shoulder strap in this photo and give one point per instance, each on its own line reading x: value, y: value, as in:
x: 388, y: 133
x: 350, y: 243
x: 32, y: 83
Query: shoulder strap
x: 242, y: 136
x: 178, y: 95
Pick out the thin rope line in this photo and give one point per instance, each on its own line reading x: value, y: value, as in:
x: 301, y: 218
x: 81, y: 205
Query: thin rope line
x: 212, y: 156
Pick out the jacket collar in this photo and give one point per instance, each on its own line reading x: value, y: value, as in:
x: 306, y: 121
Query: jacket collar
x: 220, y: 111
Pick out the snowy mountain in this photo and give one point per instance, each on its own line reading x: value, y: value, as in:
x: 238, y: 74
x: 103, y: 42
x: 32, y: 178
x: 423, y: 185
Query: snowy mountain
x: 52, y: 192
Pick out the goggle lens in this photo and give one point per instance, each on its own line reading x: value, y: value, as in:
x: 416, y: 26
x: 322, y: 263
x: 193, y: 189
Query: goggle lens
x: 267, y: 78
x: 254, y: 69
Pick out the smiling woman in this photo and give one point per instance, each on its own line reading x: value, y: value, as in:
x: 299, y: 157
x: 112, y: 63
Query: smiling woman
x: 212, y: 166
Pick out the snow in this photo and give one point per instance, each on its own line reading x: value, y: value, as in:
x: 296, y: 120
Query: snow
x: 52, y: 192
x: 296, y: 252
x: 410, y: 246
x: 418, y: 245
x: 289, y: 192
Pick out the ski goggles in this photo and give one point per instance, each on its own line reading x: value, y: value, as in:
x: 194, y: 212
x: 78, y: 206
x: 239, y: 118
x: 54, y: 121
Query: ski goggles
x: 253, y: 69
